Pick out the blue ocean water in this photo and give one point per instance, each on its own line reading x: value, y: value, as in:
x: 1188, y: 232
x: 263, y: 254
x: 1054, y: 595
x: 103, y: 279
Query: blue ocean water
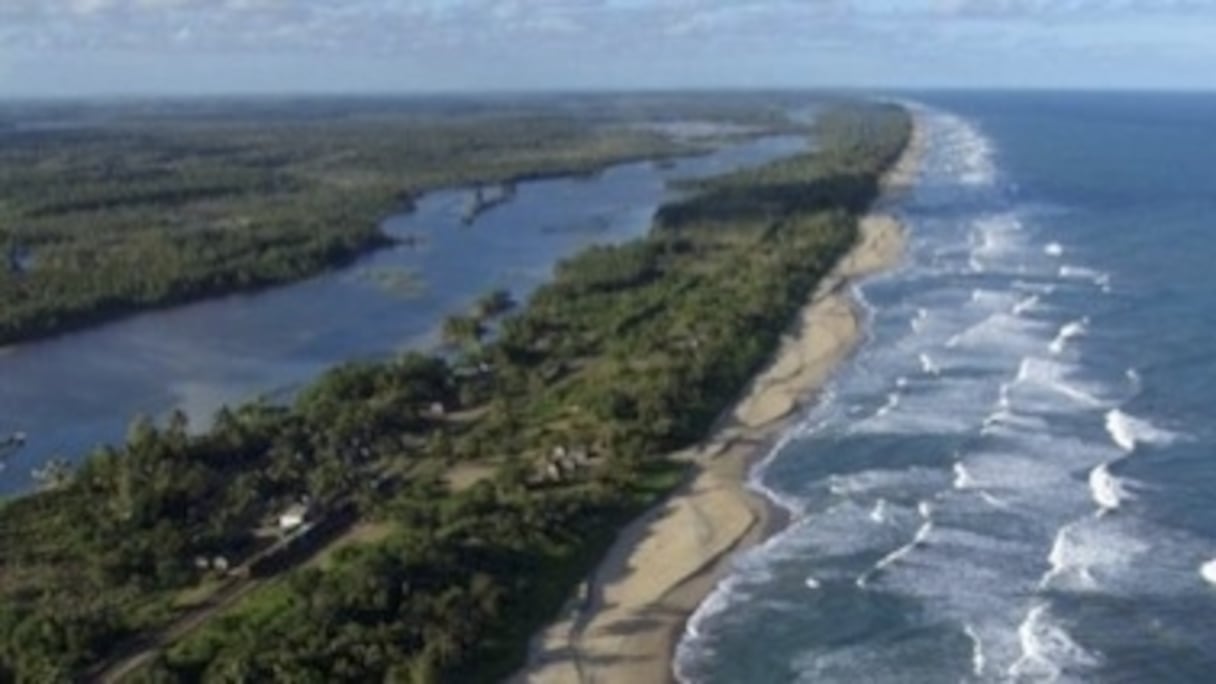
x: 1015, y: 477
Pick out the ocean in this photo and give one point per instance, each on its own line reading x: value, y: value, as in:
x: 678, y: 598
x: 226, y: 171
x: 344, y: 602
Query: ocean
x: 1013, y: 479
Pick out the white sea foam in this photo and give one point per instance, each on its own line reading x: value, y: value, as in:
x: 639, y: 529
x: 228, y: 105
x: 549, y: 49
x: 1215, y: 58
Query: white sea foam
x: 995, y: 235
x: 918, y: 321
x: 1133, y: 379
x: 990, y: 298
x: 1208, y: 571
x: 879, y: 514
x: 1026, y: 305
x: 1116, y: 554
x: 756, y: 479
x: 1000, y: 334
x: 891, y: 483
x: 978, y: 662
x: 1053, y: 376
x: 1069, y: 332
x: 820, y: 544
x: 1096, y: 277
x: 1079, y: 273
x: 1009, y: 488
x: 1034, y: 288
x: 971, y: 162
x: 995, y: 501
x: 1108, y: 491
x: 1054, y: 249
x: 1063, y: 559
x: 962, y: 479
x: 718, y: 601
x: 993, y: 419
x: 1128, y: 431
x: 922, y: 534
x: 1004, y: 417
x: 1047, y: 648
x: 1003, y: 401
x: 1015, y: 471
x: 929, y: 366
x: 891, y: 404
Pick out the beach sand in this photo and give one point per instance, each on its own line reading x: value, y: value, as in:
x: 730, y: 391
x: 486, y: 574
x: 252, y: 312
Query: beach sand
x: 623, y: 625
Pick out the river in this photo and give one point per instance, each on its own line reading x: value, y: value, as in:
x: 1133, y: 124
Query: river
x: 72, y: 393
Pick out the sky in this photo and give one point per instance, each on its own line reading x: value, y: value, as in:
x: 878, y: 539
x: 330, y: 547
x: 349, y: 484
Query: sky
x: 115, y: 47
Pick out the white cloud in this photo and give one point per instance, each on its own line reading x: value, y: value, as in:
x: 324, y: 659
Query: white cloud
x: 302, y: 24
x: 632, y: 39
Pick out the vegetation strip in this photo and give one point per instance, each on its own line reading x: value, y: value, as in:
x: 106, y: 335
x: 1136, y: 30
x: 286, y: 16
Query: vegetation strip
x: 115, y: 209
x: 631, y: 351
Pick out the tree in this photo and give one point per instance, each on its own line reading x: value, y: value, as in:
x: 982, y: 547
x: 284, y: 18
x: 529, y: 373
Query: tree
x: 494, y: 303
x: 462, y: 331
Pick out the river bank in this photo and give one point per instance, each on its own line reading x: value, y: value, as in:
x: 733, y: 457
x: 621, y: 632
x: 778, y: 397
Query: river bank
x: 199, y: 357
x: 624, y: 354
x: 625, y: 621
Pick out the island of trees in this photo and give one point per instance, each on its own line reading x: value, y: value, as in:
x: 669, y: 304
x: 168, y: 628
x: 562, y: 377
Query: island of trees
x: 453, y: 502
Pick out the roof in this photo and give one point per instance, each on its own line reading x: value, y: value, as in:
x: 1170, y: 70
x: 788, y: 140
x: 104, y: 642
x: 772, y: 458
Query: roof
x: 298, y: 510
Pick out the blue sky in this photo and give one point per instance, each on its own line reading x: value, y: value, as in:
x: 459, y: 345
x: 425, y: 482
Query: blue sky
x: 67, y: 47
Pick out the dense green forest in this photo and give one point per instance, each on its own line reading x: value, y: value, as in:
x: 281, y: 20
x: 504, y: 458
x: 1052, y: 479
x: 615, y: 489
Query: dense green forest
x: 565, y: 413
x: 107, y: 210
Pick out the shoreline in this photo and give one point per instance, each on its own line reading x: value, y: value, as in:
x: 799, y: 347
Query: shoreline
x: 374, y: 239
x: 15, y: 480
x: 625, y: 622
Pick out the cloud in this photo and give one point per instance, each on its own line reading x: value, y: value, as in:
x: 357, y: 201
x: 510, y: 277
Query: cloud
x: 628, y: 41
x: 409, y: 24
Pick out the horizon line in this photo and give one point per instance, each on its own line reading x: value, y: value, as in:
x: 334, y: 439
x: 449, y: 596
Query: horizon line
x: 475, y: 93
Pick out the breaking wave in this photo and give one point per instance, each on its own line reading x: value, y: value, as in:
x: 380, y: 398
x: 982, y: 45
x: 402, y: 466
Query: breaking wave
x: 1128, y: 432
x: 1109, y: 491
x: 968, y: 495
x: 1069, y: 332
x: 1048, y: 651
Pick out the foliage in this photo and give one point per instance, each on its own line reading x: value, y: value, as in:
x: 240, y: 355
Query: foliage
x: 109, y: 216
x: 628, y: 353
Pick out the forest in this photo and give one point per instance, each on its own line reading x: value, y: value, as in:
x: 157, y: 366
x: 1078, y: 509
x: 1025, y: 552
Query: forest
x: 110, y: 209
x: 493, y: 476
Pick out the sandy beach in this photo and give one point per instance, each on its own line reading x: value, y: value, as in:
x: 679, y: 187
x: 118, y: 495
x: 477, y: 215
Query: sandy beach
x: 624, y: 622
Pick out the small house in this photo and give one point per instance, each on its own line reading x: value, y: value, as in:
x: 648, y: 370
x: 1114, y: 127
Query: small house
x: 296, y: 515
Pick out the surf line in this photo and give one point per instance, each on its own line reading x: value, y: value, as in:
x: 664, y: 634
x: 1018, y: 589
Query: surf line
x: 922, y: 534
